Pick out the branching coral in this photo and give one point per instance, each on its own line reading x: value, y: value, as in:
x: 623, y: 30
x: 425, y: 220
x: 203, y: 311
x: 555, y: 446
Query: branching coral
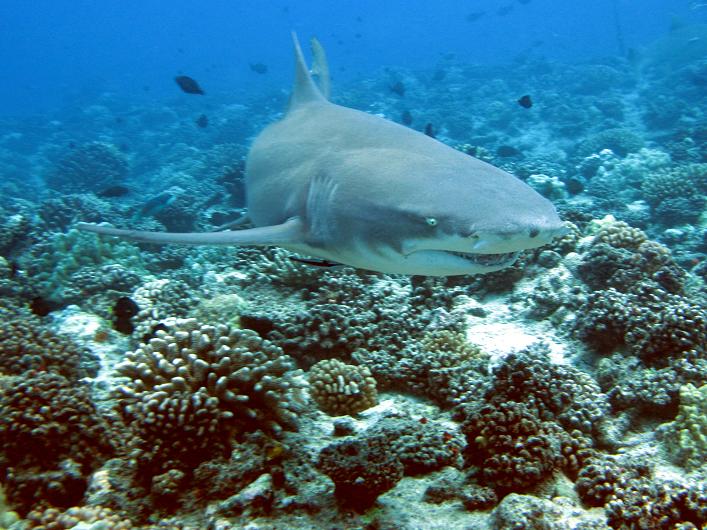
x: 90, y: 167
x: 52, y: 437
x: 194, y: 386
x: 513, y: 449
x: 361, y: 469
x: 686, y: 437
x: 340, y: 388
x: 28, y: 345
x: 74, y: 266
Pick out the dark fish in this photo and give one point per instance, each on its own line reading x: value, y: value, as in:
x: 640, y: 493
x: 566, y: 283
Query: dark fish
x: 14, y: 269
x: 314, y: 262
x: 42, y: 307
x: 439, y: 74
x: 398, y: 88
x: 125, y: 307
x: 156, y: 204
x: 188, y: 85
x: 507, y: 151
x: 504, y: 10
x: 473, y: 17
x: 525, y: 101
x: 262, y: 325
x: 259, y: 68
x: 429, y: 130
x: 202, y: 121
x: 406, y: 118
x: 114, y: 191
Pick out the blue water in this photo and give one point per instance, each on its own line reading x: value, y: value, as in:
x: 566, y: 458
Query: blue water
x: 599, y: 105
x: 54, y: 51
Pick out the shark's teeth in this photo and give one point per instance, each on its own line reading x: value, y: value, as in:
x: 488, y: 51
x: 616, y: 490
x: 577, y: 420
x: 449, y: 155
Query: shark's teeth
x: 489, y: 260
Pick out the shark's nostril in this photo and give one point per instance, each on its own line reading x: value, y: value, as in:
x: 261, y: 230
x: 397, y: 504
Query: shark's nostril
x: 534, y: 232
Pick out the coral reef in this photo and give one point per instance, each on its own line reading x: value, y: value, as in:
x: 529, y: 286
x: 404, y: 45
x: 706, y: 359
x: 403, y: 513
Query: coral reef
x: 89, y: 167
x: 52, y: 438
x: 340, y: 388
x: 686, y: 437
x: 361, y: 469
x: 193, y: 387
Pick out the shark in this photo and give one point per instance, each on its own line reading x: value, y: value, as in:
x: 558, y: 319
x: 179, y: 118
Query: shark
x: 343, y: 186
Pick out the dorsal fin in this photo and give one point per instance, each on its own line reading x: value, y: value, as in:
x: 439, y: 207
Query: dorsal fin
x: 304, y: 90
x: 320, y: 67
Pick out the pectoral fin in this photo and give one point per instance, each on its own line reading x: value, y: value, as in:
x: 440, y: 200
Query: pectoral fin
x: 283, y: 234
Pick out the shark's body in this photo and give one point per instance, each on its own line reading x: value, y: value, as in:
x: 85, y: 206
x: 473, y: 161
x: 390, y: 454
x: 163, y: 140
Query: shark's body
x: 349, y: 187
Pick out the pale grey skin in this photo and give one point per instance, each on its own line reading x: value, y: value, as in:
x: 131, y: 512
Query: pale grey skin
x: 349, y: 187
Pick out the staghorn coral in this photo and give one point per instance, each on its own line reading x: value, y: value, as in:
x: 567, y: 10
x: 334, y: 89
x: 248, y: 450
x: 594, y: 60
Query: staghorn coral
x: 340, y: 388
x: 686, y: 437
x: 192, y: 387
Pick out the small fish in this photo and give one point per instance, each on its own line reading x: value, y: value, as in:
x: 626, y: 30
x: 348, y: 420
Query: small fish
x: 42, y: 307
x: 188, y: 85
x: 398, y: 88
x: 439, y: 74
x: 406, y: 118
x: 259, y: 68
x: 504, y: 10
x: 123, y: 310
x: 114, y: 191
x: 125, y: 307
x: 156, y: 204
x: 314, y: 262
x: 429, y: 130
x: 525, y: 101
x: 507, y: 151
x: 473, y: 17
x: 202, y: 121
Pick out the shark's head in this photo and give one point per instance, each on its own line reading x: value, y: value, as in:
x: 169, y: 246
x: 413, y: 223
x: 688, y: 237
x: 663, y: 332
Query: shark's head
x: 467, y: 217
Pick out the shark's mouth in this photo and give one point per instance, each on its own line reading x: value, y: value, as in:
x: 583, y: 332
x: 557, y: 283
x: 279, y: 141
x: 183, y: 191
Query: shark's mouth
x: 487, y: 260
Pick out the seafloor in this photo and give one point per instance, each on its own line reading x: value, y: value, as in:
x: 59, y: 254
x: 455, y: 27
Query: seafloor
x: 217, y: 388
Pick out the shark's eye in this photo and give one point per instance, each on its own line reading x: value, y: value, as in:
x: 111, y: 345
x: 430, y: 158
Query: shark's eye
x: 431, y: 221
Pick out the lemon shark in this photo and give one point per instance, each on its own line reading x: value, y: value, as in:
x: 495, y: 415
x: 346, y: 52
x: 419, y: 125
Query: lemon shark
x: 348, y: 187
